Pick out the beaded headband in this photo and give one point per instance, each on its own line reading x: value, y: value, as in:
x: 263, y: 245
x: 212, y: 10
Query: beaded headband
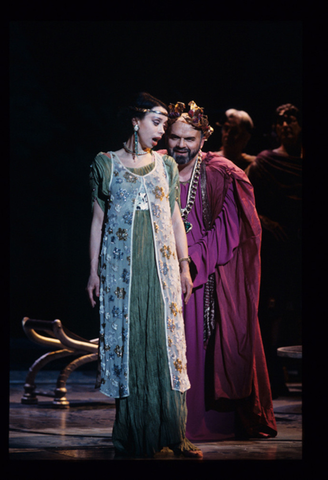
x: 194, y: 117
x: 149, y: 110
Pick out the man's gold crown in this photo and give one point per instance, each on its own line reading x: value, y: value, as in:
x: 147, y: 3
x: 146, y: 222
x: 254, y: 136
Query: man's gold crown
x: 194, y: 117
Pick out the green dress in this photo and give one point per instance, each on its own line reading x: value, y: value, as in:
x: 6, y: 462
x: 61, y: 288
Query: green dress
x: 153, y: 416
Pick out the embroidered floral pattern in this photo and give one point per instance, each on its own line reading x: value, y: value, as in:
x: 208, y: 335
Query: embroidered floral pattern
x: 116, y: 312
x: 128, y: 218
x: 156, y: 210
x: 178, y: 365
x: 122, y: 234
x: 165, y: 269
x: 120, y: 292
x: 170, y: 325
x: 129, y: 177
x: 117, y: 254
x: 112, y: 220
x: 142, y: 201
x: 122, y: 194
x: 166, y: 251
x: 118, y: 350
x: 129, y: 193
x: 125, y: 276
x: 174, y: 309
x: 159, y: 192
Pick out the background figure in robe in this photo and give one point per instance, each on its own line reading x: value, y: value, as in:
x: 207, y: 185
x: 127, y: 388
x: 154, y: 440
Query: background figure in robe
x: 277, y: 179
x: 225, y: 359
x: 236, y: 132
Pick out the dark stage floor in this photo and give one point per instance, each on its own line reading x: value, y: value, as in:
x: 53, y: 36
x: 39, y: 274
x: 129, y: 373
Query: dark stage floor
x: 83, y: 431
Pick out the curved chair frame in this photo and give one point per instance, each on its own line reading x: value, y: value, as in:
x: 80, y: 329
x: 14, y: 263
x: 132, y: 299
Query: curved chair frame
x: 65, y: 344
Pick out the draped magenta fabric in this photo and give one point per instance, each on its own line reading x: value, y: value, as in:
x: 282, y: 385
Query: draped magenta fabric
x: 207, y: 249
x: 231, y: 374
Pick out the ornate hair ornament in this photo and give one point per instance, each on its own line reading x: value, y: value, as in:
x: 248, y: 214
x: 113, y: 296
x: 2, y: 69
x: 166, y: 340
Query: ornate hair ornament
x: 194, y: 117
x: 148, y: 110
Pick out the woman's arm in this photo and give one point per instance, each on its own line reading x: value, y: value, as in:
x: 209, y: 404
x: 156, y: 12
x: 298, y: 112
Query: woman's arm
x: 94, y: 249
x: 182, y: 252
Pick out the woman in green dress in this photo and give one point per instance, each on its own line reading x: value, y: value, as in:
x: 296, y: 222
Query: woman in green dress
x: 139, y: 270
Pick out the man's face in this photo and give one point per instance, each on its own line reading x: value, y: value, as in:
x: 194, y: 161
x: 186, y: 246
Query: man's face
x: 234, y: 135
x: 288, y: 129
x: 183, y: 142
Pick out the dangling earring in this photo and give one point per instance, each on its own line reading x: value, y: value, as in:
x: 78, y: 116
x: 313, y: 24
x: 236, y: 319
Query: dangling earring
x: 136, y: 128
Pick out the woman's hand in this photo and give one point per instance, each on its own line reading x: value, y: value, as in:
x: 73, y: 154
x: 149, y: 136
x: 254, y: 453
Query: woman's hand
x: 186, y: 282
x: 93, y: 286
x: 182, y: 252
x: 95, y: 239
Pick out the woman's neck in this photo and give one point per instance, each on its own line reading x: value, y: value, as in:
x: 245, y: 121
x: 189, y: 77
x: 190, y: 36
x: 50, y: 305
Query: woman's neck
x: 138, y: 161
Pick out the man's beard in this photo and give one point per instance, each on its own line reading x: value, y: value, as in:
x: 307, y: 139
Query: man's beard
x: 183, y: 159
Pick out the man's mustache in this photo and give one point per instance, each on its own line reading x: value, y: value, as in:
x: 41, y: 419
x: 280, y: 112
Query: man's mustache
x: 180, y: 150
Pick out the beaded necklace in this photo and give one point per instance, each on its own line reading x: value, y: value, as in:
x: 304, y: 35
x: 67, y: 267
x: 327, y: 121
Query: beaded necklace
x: 127, y: 149
x: 191, y: 193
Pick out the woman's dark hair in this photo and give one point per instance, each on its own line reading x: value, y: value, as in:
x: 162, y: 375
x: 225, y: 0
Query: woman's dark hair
x: 127, y: 112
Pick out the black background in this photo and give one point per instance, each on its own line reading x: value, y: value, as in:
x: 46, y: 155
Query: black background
x: 67, y: 79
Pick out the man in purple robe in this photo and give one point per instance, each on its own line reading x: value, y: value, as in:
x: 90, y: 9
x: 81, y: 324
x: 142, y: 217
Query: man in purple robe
x: 230, y: 392
x: 276, y: 176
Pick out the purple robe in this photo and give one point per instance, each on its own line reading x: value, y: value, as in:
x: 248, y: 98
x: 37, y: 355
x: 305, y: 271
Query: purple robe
x: 207, y: 249
x: 229, y: 373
